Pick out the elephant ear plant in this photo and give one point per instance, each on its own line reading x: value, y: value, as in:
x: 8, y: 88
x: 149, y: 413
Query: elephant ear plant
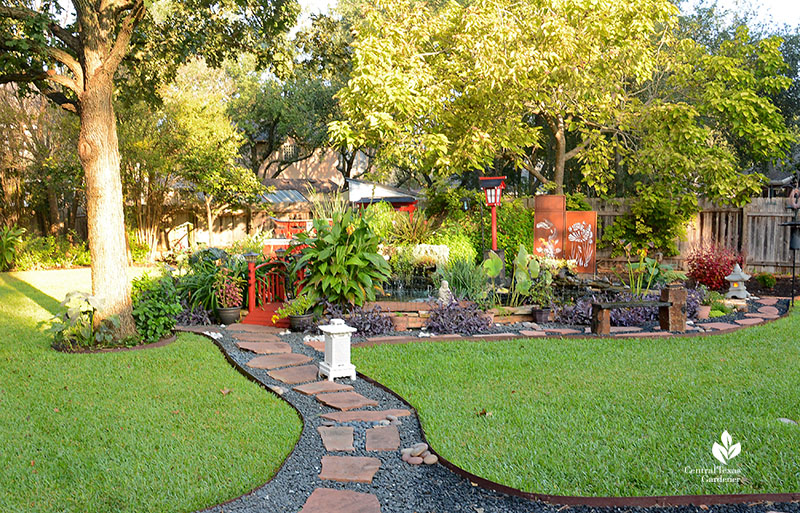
x: 341, y: 263
x: 531, y: 281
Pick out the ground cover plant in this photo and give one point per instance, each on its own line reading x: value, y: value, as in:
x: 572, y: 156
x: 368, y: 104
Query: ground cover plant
x: 161, y: 430
x: 606, y: 416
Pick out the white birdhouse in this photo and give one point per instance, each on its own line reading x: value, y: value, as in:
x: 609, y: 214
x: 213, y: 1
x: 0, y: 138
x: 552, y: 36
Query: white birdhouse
x: 337, y: 351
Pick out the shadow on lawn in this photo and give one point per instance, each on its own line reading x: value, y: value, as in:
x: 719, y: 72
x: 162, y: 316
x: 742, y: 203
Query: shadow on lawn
x: 40, y: 298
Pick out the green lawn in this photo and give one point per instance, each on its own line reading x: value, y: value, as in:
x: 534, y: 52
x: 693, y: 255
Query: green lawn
x: 134, y: 431
x: 607, y: 416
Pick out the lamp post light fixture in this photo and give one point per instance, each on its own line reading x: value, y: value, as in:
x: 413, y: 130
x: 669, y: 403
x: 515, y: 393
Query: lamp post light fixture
x: 493, y: 186
x: 251, y: 257
x: 337, y: 351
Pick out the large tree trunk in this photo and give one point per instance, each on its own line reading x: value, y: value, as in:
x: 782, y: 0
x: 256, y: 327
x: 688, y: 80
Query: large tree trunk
x: 98, y: 149
x: 210, y: 221
x: 559, y: 134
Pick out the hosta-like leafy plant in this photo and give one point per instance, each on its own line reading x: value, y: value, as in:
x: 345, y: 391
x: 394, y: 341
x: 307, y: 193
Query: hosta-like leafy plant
x: 341, y: 263
x: 10, y: 238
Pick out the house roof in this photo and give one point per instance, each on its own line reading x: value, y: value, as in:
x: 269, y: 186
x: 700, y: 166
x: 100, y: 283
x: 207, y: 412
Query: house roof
x: 369, y: 192
x: 284, y: 196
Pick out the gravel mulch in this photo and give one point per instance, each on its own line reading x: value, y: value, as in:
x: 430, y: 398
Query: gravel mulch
x: 400, y: 487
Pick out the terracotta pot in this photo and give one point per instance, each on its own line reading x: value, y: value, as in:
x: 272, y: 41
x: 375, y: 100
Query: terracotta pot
x: 400, y: 322
x: 228, y: 315
x: 703, y: 311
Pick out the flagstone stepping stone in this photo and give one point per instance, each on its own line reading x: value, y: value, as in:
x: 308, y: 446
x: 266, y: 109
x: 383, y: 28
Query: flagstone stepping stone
x: 363, y: 416
x: 562, y: 331
x: 337, y: 438
x: 316, y: 345
x: 495, y: 335
x: 296, y: 375
x: 531, y: 333
x: 749, y: 321
x: 624, y: 329
x: 327, y: 500
x: 321, y: 387
x: 265, y: 347
x: 276, y: 361
x: 252, y: 328
x: 346, y: 400
x: 718, y: 325
x: 383, y: 438
x: 768, y: 301
x: 353, y: 469
x: 769, y: 310
x: 256, y: 337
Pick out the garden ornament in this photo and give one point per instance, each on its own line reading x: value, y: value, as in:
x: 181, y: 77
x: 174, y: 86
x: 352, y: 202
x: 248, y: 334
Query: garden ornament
x: 445, y: 295
x: 337, y: 351
x: 737, y: 279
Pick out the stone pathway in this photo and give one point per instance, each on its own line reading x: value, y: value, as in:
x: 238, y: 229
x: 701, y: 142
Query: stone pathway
x: 300, y: 372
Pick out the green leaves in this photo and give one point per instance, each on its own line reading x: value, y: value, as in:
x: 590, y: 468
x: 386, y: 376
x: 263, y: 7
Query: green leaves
x: 341, y: 264
x: 10, y: 238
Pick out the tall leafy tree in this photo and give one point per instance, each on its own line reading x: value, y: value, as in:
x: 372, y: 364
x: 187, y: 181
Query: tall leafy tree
x: 207, y: 141
x: 74, y: 64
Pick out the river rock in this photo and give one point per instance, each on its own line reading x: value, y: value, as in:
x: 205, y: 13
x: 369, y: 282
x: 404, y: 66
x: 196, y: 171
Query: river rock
x: 415, y: 460
x: 430, y: 459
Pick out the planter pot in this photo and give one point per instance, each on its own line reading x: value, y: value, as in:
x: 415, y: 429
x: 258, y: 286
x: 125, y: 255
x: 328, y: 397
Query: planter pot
x: 300, y: 322
x: 703, y: 311
x: 541, y: 314
x: 400, y: 322
x: 228, y: 315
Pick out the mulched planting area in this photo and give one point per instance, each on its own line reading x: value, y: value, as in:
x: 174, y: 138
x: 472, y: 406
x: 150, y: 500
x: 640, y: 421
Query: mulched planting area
x: 555, y: 329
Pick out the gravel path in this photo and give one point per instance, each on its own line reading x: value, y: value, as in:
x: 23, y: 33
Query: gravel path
x: 398, y: 486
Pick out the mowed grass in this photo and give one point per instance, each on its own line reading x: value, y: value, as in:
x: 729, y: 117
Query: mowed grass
x: 607, y: 416
x: 133, y: 431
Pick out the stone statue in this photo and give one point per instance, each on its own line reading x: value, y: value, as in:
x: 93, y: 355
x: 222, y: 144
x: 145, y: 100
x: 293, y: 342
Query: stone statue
x: 445, y: 295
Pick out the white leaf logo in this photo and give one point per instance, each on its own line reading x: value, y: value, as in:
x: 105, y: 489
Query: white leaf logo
x: 726, y: 452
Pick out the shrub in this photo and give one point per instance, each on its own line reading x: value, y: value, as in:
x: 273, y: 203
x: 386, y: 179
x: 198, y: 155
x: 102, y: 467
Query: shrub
x: 155, y: 306
x: 454, y: 317
x: 656, y: 220
x: 368, y: 322
x: 710, y: 264
x: 200, y: 283
x: 767, y: 280
x: 455, y: 237
x: 10, y: 238
x: 381, y: 217
x: 341, y: 263
x: 73, y: 328
x: 515, y: 228
x: 466, y: 279
x: 408, y: 229
x: 51, y: 252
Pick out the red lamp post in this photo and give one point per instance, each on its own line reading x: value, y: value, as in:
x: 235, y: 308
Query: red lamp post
x: 493, y: 185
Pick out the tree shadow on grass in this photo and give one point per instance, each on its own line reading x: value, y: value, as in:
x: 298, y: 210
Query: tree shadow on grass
x: 40, y: 298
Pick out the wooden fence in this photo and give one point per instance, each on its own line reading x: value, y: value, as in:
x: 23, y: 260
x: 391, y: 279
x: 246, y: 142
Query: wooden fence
x: 754, y: 230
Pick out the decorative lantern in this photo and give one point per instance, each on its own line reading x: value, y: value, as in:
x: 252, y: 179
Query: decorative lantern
x: 737, y: 279
x: 337, y: 351
x: 493, y: 186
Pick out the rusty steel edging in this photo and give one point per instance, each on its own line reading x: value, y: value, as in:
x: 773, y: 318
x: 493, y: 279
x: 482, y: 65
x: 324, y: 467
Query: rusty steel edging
x: 601, y: 502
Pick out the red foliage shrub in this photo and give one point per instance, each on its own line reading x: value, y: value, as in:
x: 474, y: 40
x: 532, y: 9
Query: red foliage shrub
x: 709, y: 264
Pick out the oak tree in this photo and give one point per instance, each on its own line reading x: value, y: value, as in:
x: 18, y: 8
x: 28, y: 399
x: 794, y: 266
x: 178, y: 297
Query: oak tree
x: 72, y: 58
